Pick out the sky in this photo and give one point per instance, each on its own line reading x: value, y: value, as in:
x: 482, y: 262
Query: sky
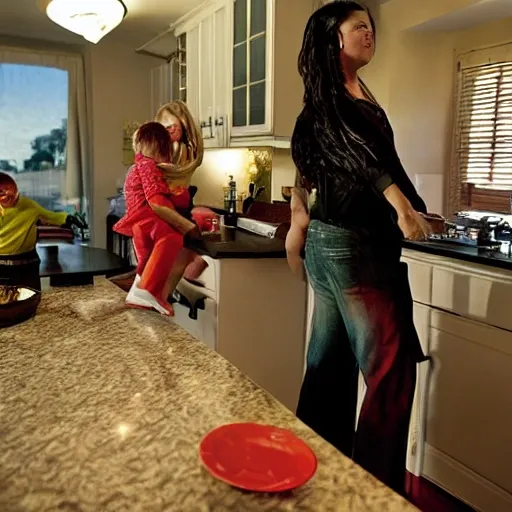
x: 33, y: 101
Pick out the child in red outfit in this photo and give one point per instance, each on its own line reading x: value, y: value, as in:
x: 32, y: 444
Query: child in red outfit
x: 153, y: 219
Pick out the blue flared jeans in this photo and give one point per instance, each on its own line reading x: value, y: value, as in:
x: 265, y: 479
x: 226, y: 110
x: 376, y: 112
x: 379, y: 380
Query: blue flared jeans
x: 362, y: 320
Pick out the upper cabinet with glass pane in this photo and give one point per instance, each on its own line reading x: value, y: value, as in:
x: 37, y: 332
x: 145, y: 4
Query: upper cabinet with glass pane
x: 251, y: 60
x: 242, y: 81
x: 207, y: 51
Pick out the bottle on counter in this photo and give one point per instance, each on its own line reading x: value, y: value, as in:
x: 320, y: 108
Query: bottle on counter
x: 231, y: 215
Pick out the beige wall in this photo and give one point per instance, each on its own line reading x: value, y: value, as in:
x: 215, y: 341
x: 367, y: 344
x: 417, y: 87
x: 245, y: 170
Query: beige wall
x: 489, y: 34
x: 291, y: 17
x: 213, y: 175
x: 412, y: 75
x: 218, y: 164
x: 283, y: 172
x: 119, y: 89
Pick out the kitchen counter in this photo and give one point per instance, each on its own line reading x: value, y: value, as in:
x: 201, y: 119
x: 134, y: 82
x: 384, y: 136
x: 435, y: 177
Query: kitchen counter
x: 461, y: 252
x: 242, y: 244
x: 237, y: 243
x: 103, y: 409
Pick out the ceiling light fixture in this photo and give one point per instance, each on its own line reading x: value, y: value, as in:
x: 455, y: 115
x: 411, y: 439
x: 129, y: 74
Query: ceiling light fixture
x: 92, y: 19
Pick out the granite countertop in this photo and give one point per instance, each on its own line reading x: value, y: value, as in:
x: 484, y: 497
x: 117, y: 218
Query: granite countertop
x: 103, y: 409
x: 461, y: 252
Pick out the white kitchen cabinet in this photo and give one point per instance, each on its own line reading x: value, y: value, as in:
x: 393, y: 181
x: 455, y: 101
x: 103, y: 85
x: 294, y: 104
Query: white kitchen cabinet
x: 163, y: 85
x: 464, y: 440
x: 416, y: 442
x: 193, y: 84
x: 168, y: 80
x: 243, y: 83
x: 267, y: 91
x: 481, y: 293
x: 252, y: 56
x: 207, y: 50
x: 220, y: 83
x: 469, y: 422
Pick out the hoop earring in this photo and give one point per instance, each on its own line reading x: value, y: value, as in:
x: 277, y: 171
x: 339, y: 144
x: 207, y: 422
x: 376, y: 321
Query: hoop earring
x: 341, y: 45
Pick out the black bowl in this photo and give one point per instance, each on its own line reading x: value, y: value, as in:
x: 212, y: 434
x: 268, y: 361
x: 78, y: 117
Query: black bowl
x: 18, y: 311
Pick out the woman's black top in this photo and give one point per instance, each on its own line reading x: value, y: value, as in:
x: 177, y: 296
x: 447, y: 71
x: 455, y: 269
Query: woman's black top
x: 364, y: 209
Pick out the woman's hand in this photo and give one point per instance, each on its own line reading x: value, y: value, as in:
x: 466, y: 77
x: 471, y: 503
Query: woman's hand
x: 298, y: 206
x: 414, y: 226
x: 296, y: 237
x: 411, y: 223
x: 164, y: 208
x: 194, y: 239
x: 194, y: 233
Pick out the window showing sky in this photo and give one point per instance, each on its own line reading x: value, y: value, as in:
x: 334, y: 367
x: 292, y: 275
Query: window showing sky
x: 33, y: 101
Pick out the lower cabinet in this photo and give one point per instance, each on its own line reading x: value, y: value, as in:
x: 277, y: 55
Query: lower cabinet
x: 252, y: 311
x: 461, y: 427
x: 468, y: 444
x: 460, y: 436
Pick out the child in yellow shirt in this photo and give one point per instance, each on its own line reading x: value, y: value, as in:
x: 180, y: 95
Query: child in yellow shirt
x: 19, y: 261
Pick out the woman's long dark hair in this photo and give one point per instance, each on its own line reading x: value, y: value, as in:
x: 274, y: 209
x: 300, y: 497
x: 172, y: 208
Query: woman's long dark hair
x: 331, y: 136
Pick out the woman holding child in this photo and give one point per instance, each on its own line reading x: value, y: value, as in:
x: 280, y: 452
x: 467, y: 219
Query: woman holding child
x: 159, y: 205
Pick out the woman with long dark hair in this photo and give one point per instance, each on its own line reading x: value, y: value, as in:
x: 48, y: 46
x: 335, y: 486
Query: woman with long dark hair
x: 364, y: 206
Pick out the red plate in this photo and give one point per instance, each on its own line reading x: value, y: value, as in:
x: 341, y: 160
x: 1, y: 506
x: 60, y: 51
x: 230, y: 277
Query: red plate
x: 257, y: 457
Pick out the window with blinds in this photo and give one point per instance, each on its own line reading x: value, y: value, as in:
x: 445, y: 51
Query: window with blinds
x: 484, y: 136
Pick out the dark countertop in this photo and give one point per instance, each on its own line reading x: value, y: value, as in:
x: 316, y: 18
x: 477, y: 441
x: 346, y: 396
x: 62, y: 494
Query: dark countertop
x: 65, y: 259
x: 237, y: 243
x: 103, y: 408
x: 463, y: 253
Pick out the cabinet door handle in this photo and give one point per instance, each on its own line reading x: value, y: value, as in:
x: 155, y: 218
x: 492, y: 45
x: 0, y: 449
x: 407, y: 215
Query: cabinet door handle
x: 225, y: 134
x: 209, y: 124
x: 219, y: 122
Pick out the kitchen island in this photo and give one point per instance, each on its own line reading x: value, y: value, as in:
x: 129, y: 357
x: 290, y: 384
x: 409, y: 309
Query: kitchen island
x: 250, y: 308
x: 103, y: 408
